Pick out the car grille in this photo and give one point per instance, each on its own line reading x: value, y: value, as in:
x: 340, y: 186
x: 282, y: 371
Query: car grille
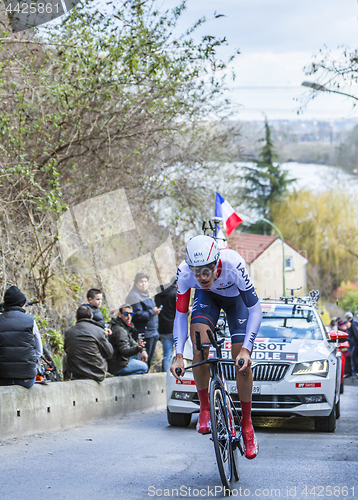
x: 263, y: 401
x: 263, y: 372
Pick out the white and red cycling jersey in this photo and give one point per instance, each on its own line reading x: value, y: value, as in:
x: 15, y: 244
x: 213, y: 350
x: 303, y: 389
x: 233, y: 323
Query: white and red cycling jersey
x: 233, y: 281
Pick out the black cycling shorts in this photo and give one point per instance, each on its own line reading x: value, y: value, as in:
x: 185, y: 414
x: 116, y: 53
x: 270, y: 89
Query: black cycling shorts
x: 206, y: 310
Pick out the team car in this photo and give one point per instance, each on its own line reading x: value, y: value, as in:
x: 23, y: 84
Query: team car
x: 297, y: 367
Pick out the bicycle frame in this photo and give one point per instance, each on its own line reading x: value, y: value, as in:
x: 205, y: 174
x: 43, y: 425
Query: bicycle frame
x: 225, y: 420
x: 216, y: 373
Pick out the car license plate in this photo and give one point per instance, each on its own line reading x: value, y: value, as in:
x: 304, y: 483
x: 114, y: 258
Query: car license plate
x: 255, y: 390
x: 233, y: 389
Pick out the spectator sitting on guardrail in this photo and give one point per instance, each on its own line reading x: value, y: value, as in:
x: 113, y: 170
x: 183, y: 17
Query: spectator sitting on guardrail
x: 145, y: 313
x: 86, y: 348
x: 125, y: 348
x: 20, y: 341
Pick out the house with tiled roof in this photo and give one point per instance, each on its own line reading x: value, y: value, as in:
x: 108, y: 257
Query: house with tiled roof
x: 264, y: 260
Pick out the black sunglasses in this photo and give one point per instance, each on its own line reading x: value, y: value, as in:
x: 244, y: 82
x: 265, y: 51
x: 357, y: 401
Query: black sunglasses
x: 127, y: 313
x: 203, y: 270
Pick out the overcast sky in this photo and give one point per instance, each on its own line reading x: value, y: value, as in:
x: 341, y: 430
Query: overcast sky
x: 276, y: 39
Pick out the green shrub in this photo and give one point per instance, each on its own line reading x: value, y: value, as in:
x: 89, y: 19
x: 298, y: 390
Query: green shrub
x: 106, y: 314
x: 347, y: 295
x: 350, y: 302
x: 54, y: 340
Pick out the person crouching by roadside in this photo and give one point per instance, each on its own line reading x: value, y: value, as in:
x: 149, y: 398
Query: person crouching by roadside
x: 20, y: 341
x: 86, y: 348
x: 125, y: 348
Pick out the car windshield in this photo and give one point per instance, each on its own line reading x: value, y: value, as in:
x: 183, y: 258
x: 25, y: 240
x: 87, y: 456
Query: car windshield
x: 290, y: 322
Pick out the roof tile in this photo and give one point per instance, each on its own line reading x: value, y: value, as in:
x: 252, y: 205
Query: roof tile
x: 250, y: 246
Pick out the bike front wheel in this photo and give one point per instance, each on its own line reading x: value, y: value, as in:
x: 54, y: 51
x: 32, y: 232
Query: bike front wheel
x: 234, y: 440
x: 221, y: 434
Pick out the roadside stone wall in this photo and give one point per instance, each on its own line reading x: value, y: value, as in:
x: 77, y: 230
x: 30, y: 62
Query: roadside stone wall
x: 58, y: 405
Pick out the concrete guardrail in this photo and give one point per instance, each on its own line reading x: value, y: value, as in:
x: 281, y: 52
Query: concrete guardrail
x: 58, y: 405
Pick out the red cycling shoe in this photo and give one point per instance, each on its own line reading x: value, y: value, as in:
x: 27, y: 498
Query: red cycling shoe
x: 250, y: 443
x: 204, y: 425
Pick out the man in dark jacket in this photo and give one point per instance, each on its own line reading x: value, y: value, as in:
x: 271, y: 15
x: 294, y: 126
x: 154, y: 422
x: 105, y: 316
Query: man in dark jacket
x: 125, y: 348
x: 353, y: 342
x: 20, y: 341
x: 145, y: 313
x: 87, y: 348
x: 167, y: 300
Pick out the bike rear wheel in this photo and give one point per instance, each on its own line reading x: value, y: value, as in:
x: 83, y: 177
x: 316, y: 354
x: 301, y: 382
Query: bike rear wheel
x: 221, y: 434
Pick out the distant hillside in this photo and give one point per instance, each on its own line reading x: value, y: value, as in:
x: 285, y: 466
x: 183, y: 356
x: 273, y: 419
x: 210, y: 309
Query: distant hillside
x: 328, y: 143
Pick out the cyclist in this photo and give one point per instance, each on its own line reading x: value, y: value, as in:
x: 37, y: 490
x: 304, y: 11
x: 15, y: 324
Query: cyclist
x: 221, y: 281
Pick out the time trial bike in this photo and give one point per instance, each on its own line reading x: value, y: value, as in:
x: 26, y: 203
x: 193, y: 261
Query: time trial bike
x: 224, y: 418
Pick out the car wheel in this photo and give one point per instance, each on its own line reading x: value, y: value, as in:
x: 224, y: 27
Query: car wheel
x: 326, y: 424
x: 178, y: 419
x: 341, y: 390
x: 338, y: 409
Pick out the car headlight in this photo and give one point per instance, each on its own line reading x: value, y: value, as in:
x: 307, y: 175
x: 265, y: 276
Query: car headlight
x: 187, y: 362
x: 183, y: 396
x: 319, y: 368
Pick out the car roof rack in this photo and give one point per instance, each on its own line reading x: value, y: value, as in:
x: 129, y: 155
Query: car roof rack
x: 310, y: 300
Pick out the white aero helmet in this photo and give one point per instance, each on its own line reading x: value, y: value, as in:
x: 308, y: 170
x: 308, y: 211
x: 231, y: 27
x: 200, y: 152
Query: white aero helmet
x: 201, y: 250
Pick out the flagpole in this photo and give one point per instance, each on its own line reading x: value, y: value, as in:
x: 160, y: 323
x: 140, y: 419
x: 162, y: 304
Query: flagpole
x: 215, y: 218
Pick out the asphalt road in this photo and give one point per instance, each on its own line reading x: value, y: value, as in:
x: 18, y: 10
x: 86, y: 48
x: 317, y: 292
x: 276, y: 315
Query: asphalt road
x: 141, y: 457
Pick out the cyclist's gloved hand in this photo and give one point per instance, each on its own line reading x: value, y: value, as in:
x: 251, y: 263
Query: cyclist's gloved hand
x: 178, y: 363
x: 245, y: 355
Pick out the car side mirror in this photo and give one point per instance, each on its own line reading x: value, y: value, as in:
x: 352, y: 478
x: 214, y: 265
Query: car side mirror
x: 342, y: 336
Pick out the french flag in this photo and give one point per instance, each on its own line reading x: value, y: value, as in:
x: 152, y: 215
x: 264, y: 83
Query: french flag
x: 224, y: 209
